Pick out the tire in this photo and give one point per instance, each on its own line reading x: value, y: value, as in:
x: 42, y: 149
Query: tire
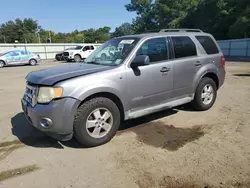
x: 85, y: 113
x: 32, y: 62
x: 2, y: 64
x: 205, y: 94
x: 77, y: 58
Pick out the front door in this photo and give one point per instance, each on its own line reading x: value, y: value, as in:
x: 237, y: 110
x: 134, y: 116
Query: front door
x: 150, y: 85
x: 13, y: 57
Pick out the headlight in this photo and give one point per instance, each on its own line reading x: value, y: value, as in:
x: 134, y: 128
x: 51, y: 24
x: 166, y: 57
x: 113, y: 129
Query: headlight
x: 47, y: 94
x: 71, y: 53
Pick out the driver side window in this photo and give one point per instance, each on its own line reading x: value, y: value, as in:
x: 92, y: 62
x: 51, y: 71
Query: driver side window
x: 156, y: 49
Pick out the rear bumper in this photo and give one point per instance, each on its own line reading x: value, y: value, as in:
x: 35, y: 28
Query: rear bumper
x: 221, y: 76
x: 60, y: 114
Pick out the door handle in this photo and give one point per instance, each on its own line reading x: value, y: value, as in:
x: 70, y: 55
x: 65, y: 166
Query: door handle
x: 197, y: 63
x: 165, y: 69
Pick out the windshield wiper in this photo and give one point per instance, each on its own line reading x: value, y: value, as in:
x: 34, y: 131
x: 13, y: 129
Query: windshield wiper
x: 95, y: 63
x: 92, y: 62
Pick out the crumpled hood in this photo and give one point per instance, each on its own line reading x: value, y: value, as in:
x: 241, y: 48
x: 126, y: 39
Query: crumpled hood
x: 53, y: 75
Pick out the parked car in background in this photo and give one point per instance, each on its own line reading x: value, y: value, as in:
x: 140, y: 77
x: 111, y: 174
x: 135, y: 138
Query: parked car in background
x: 147, y: 73
x: 60, y: 57
x: 78, y: 53
x: 19, y: 57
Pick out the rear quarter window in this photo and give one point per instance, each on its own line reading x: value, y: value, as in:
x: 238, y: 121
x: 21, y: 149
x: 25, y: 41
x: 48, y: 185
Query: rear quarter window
x: 208, y: 44
x: 183, y: 47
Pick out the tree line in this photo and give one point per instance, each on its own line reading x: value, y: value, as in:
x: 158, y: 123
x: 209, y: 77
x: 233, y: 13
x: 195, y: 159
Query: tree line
x: 225, y: 19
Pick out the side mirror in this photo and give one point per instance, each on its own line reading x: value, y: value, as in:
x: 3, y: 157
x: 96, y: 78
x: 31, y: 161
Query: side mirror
x: 140, y: 60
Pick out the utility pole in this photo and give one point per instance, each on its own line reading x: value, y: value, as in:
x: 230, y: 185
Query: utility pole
x: 49, y: 37
x: 38, y: 36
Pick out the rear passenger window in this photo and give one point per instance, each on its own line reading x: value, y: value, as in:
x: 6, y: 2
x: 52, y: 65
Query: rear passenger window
x: 156, y: 49
x: 208, y: 44
x: 183, y: 47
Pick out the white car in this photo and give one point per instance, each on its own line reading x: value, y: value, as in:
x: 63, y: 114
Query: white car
x: 78, y: 53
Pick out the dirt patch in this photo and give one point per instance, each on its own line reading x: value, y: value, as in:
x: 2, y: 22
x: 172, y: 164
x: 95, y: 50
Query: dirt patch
x: 167, y: 136
x: 147, y: 181
x: 7, y: 148
x: 17, y: 172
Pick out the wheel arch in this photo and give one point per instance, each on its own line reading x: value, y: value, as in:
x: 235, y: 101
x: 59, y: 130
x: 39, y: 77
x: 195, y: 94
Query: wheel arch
x: 3, y: 61
x: 78, y: 54
x: 110, y: 96
x: 213, y: 76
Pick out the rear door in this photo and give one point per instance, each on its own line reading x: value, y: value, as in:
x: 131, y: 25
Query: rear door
x: 185, y: 61
x: 24, y: 57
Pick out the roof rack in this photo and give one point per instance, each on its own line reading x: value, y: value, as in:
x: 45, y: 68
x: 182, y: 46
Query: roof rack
x: 181, y: 30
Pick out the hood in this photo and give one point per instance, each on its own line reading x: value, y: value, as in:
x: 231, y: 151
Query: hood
x: 53, y: 75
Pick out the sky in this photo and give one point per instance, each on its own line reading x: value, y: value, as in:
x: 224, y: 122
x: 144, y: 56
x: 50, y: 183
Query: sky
x: 68, y: 15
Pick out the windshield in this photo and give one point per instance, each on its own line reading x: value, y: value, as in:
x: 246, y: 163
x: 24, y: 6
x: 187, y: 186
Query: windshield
x: 113, y: 52
x: 4, y: 53
x: 78, y: 48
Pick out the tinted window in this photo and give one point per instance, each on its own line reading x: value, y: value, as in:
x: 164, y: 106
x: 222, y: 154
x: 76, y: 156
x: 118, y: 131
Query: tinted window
x: 208, y: 44
x: 183, y: 47
x: 86, y: 48
x: 24, y: 53
x: 92, y: 47
x: 156, y: 49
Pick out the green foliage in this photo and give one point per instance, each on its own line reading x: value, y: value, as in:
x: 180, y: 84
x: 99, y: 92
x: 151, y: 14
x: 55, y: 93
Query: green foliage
x: 20, y: 30
x: 225, y: 19
x: 28, y: 31
x: 124, y: 29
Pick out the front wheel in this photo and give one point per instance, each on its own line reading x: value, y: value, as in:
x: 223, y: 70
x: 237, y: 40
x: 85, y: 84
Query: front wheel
x: 77, y: 58
x: 1, y: 64
x: 96, y: 122
x: 205, y: 94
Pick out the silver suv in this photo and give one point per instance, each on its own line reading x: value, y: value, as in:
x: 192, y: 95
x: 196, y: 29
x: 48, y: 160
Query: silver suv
x: 145, y: 74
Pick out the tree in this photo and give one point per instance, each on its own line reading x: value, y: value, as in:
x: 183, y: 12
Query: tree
x: 145, y: 19
x: 124, y: 29
x: 222, y: 18
x: 21, y: 30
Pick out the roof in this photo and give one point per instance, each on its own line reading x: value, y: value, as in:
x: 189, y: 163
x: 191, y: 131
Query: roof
x: 147, y: 35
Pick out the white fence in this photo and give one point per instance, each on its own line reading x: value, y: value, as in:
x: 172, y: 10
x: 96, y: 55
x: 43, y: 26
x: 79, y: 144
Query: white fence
x: 236, y: 47
x: 230, y: 48
x: 46, y: 51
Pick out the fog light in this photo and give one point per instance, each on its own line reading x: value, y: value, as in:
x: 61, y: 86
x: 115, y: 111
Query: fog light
x: 46, y: 123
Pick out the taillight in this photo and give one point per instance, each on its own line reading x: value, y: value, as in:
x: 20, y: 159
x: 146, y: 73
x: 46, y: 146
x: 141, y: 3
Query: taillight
x: 223, y: 61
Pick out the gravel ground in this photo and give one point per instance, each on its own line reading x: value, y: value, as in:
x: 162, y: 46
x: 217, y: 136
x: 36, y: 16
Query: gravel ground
x: 175, y: 148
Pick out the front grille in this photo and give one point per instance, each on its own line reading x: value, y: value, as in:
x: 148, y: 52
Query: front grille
x: 65, y: 54
x: 30, y: 94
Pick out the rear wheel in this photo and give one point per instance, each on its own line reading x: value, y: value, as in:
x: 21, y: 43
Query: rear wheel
x: 2, y: 64
x: 205, y: 95
x: 96, y: 122
x: 32, y: 62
